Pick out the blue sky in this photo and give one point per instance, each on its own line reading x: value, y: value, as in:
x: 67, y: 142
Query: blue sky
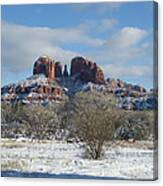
x: 117, y: 36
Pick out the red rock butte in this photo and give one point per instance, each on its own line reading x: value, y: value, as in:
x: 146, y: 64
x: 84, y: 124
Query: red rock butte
x: 87, y: 70
x: 47, y: 66
x: 81, y: 68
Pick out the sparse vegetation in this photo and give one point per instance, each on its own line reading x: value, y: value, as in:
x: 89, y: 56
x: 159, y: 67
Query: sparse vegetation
x: 33, y: 121
x: 13, y: 165
x: 94, y: 121
x: 90, y: 117
x: 135, y: 125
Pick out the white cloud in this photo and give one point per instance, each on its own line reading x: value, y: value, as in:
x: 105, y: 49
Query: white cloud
x: 119, y: 54
x: 54, y: 35
x: 107, y: 24
x: 22, y: 44
x: 101, y: 25
x: 125, y: 45
x: 127, y: 37
x: 122, y: 71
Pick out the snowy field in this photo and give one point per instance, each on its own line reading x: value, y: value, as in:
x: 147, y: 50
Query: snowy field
x: 121, y: 161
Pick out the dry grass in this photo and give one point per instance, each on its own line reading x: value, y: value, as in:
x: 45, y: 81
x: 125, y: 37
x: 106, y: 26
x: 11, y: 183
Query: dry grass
x: 8, y: 143
x: 12, y: 144
x: 132, y: 144
x: 13, y: 165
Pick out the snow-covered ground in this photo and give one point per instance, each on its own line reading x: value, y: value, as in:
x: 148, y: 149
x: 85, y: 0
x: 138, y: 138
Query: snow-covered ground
x: 58, y: 157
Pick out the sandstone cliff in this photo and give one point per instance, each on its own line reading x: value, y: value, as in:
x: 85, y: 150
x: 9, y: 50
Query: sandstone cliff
x: 86, y: 70
x: 83, y: 69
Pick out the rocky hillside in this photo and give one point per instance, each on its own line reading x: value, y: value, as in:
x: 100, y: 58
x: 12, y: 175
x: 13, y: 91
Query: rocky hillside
x: 35, y: 89
x: 51, y: 83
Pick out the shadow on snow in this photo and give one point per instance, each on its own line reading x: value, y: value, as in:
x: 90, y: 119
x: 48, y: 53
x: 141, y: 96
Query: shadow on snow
x: 48, y: 175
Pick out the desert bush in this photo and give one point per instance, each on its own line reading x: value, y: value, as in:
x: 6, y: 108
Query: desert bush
x: 11, y: 113
x: 39, y: 122
x: 11, y: 124
x: 34, y: 121
x: 136, y: 125
x: 94, y: 121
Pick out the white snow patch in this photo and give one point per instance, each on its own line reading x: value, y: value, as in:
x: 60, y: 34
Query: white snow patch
x: 58, y: 157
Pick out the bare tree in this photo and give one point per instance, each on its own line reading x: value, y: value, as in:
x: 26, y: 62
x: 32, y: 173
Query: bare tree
x: 94, y: 118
